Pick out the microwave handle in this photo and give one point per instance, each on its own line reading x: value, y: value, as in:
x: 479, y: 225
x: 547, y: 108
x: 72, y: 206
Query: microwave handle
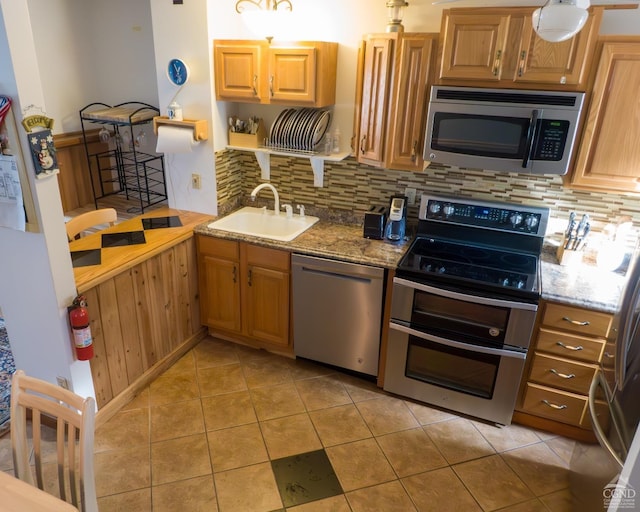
x: 531, y: 137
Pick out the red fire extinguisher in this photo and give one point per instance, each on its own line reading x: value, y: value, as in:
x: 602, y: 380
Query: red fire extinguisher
x: 79, y: 320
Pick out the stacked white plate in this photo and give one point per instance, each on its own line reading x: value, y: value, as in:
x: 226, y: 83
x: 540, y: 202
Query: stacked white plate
x: 299, y: 129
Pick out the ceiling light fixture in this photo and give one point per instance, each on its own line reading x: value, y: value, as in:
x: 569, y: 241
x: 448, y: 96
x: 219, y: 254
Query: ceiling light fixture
x: 395, y: 10
x: 559, y: 20
x: 264, y: 17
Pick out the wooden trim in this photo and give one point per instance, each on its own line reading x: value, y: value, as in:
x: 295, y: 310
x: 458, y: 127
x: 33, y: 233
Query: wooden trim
x: 128, y: 394
x: 384, y: 334
x: 561, y: 429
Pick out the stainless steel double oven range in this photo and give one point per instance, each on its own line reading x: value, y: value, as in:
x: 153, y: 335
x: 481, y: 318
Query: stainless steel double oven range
x: 464, y: 305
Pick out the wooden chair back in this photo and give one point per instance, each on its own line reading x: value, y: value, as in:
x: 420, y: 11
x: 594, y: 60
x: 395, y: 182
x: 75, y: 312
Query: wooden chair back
x: 84, y: 221
x: 74, y: 419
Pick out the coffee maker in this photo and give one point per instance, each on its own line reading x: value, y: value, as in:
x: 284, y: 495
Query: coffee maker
x: 397, y: 220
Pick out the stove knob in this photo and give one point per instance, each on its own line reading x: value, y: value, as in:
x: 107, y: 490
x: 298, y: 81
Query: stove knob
x: 435, y: 207
x: 531, y: 221
x: 442, y: 270
x: 505, y: 281
x: 515, y: 219
x: 520, y: 284
x: 448, y: 209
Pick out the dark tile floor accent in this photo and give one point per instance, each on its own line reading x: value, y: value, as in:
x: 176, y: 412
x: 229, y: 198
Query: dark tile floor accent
x: 305, y: 477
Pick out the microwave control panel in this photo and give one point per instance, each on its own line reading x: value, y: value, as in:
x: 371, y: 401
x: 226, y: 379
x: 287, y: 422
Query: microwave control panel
x: 551, y: 139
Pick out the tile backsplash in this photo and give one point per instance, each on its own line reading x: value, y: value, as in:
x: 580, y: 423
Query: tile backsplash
x: 351, y: 188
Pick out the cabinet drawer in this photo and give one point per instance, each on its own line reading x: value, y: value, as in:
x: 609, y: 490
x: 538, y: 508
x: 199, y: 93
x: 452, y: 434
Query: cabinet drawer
x: 553, y: 404
x: 227, y: 249
x: 569, y: 345
x: 269, y: 258
x: 562, y: 373
x: 582, y: 321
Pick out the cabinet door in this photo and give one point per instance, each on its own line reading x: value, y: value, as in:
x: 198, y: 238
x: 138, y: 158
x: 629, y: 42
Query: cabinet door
x: 375, y: 94
x: 409, y: 102
x: 609, y: 154
x: 221, y: 293
x: 266, y: 294
x: 556, y: 63
x: 473, y: 45
x: 267, y: 305
x: 292, y: 75
x: 237, y: 70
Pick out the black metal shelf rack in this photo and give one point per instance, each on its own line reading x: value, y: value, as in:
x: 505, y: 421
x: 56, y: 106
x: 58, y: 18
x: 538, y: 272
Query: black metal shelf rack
x: 123, y: 168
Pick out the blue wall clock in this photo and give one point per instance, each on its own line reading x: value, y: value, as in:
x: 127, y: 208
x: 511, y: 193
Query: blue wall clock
x: 177, y: 71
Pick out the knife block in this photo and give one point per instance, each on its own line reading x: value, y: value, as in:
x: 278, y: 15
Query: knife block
x: 567, y: 257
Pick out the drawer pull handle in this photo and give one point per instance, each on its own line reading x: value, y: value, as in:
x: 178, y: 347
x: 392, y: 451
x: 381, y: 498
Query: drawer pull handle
x: 554, y: 406
x: 575, y: 322
x: 609, y: 355
x: 569, y: 347
x: 562, y: 375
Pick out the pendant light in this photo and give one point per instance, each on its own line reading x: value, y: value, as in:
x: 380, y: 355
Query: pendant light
x: 559, y: 20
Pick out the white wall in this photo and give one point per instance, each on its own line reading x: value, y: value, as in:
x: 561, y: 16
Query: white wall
x: 37, y: 279
x: 182, y: 32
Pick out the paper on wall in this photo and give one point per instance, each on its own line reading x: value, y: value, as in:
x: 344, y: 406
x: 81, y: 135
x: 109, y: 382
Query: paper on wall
x: 12, y: 213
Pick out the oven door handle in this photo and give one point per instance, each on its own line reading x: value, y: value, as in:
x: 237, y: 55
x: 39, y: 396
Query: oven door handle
x: 456, y: 344
x: 464, y: 297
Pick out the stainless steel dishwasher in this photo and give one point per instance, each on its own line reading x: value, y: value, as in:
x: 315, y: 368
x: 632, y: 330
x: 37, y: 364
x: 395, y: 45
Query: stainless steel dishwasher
x: 337, y: 312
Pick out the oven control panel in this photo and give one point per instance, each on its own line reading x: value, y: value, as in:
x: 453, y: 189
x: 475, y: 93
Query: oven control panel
x: 504, y: 217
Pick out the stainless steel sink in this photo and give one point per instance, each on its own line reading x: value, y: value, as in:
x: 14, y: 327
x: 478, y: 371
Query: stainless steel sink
x: 264, y: 223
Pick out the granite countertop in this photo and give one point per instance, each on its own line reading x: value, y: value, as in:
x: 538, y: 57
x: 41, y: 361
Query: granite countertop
x: 329, y: 240
x: 581, y: 284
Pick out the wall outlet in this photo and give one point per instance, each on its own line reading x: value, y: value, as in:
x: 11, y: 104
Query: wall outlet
x: 195, y: 180
x: 411, y: 195
x: 62, y: 382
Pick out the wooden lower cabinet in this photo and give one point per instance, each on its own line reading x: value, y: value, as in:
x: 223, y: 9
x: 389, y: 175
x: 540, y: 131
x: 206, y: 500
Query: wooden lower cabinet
x: 244, y: 291
x: 141, y: 318
x: 563, y: 359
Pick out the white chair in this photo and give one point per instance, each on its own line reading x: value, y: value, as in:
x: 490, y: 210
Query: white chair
x: 76, y: 225
x: 74, y: 419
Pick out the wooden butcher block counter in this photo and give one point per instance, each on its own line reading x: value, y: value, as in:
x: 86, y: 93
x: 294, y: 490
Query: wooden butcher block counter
x: 141, y: 284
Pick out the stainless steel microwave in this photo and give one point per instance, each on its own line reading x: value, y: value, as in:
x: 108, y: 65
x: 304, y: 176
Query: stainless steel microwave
x: 502, y: 129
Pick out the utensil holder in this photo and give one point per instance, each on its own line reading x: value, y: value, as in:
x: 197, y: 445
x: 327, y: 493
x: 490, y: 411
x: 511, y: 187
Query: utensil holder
x: 249, y: 140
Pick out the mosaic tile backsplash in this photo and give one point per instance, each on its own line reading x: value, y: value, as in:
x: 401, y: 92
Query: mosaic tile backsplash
x: 351, y: 188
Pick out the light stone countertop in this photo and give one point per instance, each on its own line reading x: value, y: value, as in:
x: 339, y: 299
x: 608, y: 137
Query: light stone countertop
x: 329, y: 240
x: 580, y: 285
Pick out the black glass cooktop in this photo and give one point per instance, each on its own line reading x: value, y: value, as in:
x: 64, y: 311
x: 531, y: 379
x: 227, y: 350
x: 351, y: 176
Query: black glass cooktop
x: 501, y: 268
x: 162, y: 222
x: 86, y: 258
x: 120, y: 239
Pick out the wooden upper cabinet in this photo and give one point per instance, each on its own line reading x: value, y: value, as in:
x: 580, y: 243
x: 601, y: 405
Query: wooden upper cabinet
x: 393, y: 90
x: 609, y: 154
x: 497, y: 47
x: 299, y: 73
x: 474, y: 45
x: 238, y: 71
x: 409, y: 102
x: 374, y: 101
x: 565, y: 62
x: 292, y: 74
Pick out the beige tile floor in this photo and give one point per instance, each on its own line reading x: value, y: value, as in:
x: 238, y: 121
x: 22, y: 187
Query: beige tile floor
x: 202, y: 436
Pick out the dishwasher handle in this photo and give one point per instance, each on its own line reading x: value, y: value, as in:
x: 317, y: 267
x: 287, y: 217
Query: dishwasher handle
x: 337, y: 275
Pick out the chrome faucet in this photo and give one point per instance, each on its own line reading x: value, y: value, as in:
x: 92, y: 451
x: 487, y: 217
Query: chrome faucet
x: 255, y: 191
